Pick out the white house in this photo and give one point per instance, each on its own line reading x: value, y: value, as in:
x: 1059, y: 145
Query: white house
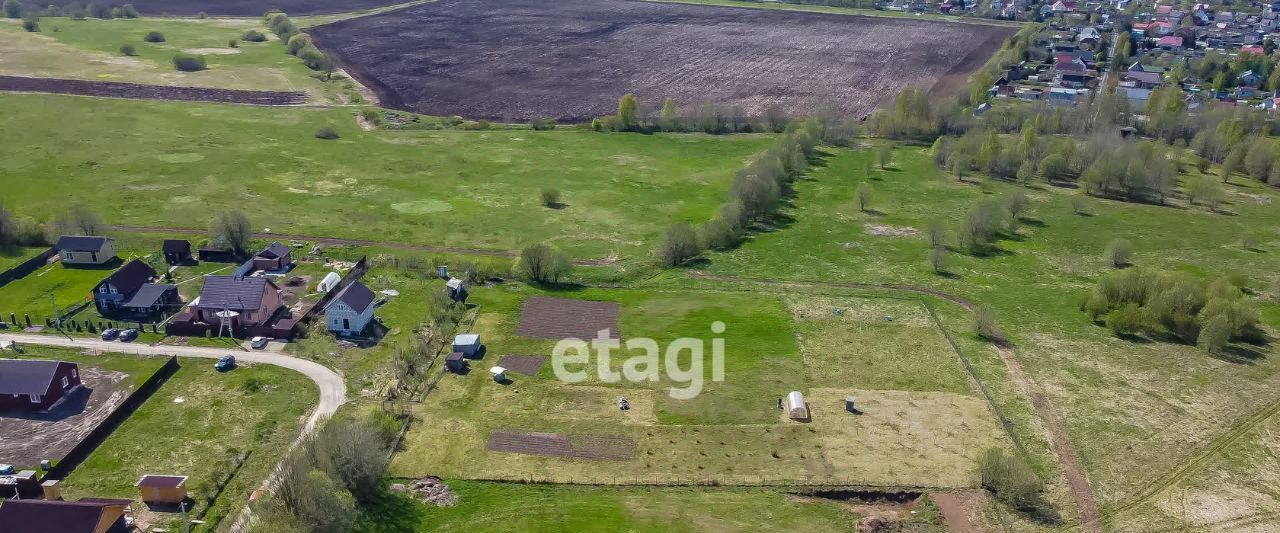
x: 76, y: 250
x: 351, y: 310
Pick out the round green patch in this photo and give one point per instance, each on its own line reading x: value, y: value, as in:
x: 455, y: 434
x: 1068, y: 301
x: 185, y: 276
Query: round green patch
x: 422, y: 207
x: 184, y: 157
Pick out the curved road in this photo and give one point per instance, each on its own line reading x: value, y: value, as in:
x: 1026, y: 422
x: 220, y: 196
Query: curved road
x: 333, y: 390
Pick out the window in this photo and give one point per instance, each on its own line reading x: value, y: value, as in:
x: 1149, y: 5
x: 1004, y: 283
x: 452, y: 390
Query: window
x: 74, y: 373
x: 102, y: 289
x: 35, y: 398
x: 66, y: 256
x: 65, y: 382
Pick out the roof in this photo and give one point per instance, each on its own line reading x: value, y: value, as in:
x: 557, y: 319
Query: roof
x: 148, y: 294
x: 26, y: 376
x: 44, y: 516
x: 356, y: 296
x: 78, y: 243
x: 171, y: 246
x: 274, y: 250
x: 466, y: 339
x: 1171, y: 40
x: 131, y: 276
x: 1143, y: 76
x: 161, y: 482
x: 234, y: 292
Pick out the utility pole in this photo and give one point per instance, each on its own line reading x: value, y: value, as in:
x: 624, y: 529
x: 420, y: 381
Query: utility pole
x: 56, y: 318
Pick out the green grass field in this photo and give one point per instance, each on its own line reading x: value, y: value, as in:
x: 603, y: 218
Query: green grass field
x: 90, y: 49
x: 921, y: 432
x: 175, y: 164
x: 196, y: 421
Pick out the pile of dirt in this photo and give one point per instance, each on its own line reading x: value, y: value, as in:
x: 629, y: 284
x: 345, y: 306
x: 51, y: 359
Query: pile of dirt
x: 432, y: 490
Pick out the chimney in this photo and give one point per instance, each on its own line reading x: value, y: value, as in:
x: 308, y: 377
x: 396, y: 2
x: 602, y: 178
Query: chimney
x: 52, y: 490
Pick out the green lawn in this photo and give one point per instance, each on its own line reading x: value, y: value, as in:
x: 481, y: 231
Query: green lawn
x: 178, y: 164
x: 68, y: 286
x: 1134, y: 409
x: 196, y: 421
x: 544, y: 508
x: 90, y: 49
x: 13, y: 256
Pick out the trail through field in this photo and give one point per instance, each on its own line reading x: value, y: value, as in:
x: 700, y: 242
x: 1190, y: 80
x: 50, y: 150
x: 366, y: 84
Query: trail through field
x: 1056, y: 433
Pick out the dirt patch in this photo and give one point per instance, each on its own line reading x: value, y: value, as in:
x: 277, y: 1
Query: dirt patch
x: 961, y: 511
x: 113, y: 89
x: 431, y: 490
x: 572, y: 59
x: 27, y: 438
x: 600, y: 447
x: 528, y: 365
x: 560, y: 318
x: 890, y: 231
x: 213, y: 51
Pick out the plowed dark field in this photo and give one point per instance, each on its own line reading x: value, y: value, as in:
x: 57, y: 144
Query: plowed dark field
x: 239, y: 8
x: 148, y: 92
x: 573, y: 59
x: 543, y: 317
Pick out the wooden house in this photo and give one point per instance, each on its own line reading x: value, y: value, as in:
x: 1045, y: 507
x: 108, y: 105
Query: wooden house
x: 78, y: 250
x: 35, y: 385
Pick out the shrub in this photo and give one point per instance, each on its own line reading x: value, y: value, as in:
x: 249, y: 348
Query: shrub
x: 717, y: 234
x: 128, y: 50
x: 885, y: 157
x: 31, y: 24
x: 1118, y: 253
x: 154, y: 37
x: 233, y: 43
x: 127, y: 11
x: 937, y: 234
x: 253, y: 36
x: 984, y: 324
x: 298, y: 42
x: 551, y: 197
x: 327, y: 133
x: 100, y: 10
x: 188, y: 62
x: 541, y: 263
x: 1127, y: 320
x: 1249, y: 242
x: 1079, y: 205
x: 938, y: 259
x: 543, y: 124
x: 864, y: 196
x: 12, y: 9
x: 678, y: 245
x: 1010, y: 478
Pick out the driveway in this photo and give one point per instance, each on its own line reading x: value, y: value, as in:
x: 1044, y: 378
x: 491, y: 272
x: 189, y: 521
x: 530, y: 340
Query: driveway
x: 333, y: 391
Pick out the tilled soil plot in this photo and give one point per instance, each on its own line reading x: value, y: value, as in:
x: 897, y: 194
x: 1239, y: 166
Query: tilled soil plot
x: 240, y: 8
x: 528, y: 365
x: 603, y: 447
x: 573, y: 59
x: 26, y: 438
x: 544, y: 317
x: 149, y: 92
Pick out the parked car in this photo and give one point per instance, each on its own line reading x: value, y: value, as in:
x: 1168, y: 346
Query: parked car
x: 259, y: 343
x: 225, y: 363
x: 110, y: 334
x: 128, y: 335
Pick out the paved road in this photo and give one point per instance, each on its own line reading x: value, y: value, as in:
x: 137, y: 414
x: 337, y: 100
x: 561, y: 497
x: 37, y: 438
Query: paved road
x: 333, y: 391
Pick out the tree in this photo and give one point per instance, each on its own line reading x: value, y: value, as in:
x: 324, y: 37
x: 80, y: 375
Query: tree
x: 1054, y: 167
x: 1258, y: 158
x: 678, y: 245
x: 1017, y: 203
x: 356, y: 454
x: 1232, y: 164
x: 984, y: 324
x: 1079, y: 205
x: 885, y: 157
x: 937, y: 234
x: 627, y: 111
x: 1205, y: 191
x: 153, y: 37
x: 13, y: 9
x: 80, y: 220
x: 938, y: 259
x: 297, y: 42
x: 1214, y: 334
x: 1127, y: 320
x: 231, y: 230
x: 1118, y: 253
x: 668, y: 117
x: 717, y: 234
x: 31, y: 23
x: 1027, y: 172
x: 864, y: 196
x: 253, y: 36
x: 542, y: 263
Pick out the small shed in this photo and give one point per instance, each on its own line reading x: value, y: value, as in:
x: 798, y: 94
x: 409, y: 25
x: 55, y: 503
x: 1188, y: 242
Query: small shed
x: 455, y: 362
x: 796, y: 408
x: 327, y: 284
x: 163, y: 489
x: 499, y: 374
x: 468, y: 344
x: 456, y: 289
x: 176, y: 251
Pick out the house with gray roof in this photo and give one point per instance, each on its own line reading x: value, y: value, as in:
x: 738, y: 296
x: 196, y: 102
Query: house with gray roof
x: 88, y: 515
x: 121, y: 285
x: 351, y: 310
x: 35, y: 385
x: 85, y: 250
x: 275, y: 257
x: 254, y: 300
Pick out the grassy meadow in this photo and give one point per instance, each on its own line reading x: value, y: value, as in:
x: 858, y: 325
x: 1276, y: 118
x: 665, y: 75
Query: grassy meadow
x: 178, y: 164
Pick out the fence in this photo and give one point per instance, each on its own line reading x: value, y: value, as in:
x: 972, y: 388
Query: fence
x: 109, y: 424
x: 27, y: 266
x: 354, y: 274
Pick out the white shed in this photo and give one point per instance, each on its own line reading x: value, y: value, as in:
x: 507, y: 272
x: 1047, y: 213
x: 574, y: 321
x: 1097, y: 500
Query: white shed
x: 499, y: 374
x: 327, y: 284
x: 795, y: 406
x: 467, y: 343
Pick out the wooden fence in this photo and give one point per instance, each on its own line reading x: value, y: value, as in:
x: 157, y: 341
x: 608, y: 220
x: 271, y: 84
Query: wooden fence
x: 27, y: 266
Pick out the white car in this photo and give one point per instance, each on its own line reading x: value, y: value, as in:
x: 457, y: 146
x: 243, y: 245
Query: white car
x: 259, y: 343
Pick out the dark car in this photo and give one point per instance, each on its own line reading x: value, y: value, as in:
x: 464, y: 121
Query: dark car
x: 225, y: 363
x: 110, y: 334
x: 128, y: 335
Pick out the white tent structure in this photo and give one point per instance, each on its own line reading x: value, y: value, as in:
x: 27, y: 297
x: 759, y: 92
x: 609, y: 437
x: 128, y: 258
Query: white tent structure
x: 327, y: 284
x: 796, y: 408
x: 499, y: 374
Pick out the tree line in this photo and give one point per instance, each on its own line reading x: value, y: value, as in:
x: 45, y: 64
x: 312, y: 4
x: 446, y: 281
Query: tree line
x: 298, y: 43
x: 76, y: 10
x: 710, y: 117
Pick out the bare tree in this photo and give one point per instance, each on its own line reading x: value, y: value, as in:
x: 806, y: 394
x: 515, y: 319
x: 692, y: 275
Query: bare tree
x: 541, y: 263
x: 231, y: 230
x: 80, y: 220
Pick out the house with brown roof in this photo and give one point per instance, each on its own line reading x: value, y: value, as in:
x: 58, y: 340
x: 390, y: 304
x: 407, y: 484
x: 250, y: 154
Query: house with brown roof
x: 88, y: 515
x: 35, y: 385
x: 254, y: 300
x: 275, y: 257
